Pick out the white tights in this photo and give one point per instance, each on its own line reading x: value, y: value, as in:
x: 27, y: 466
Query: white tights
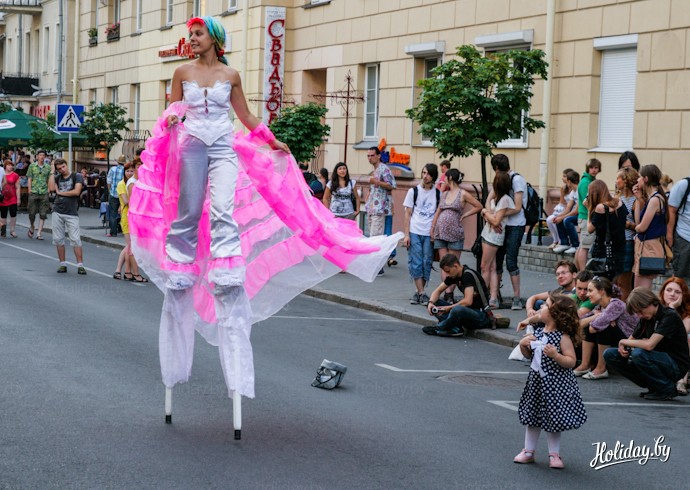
x: 553, y: 440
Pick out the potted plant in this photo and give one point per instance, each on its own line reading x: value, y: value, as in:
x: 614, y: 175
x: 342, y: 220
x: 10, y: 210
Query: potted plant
x: 93, y: 36
x: 112, y: 32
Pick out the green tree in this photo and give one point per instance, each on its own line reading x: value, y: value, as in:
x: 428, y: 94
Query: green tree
x: 301, y: 129
x: 43, y: 135
x: 472, y: 103
x: 103, y: 125
x: 4, y: 107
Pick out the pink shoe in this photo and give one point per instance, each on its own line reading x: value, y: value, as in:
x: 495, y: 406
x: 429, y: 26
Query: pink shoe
x: 525, y: 457
x: 555, y: 461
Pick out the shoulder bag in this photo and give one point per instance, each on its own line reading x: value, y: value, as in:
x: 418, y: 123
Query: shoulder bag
x: 603, y: 266
x: 652, y: 266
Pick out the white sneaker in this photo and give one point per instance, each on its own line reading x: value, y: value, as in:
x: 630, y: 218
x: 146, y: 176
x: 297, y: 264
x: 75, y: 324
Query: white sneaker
x: 570, y: 251
x: 560, y: 248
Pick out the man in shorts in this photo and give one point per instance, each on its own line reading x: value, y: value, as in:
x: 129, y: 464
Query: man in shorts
x: 592, y: 168
x: 37, y: 176
x: 67, y: 185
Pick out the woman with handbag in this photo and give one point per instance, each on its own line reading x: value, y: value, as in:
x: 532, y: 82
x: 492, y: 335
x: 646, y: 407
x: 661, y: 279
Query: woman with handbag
x: 626, y: 178
x: 447, y: 231
x: 607, y: 222
x: 603, y: 328
x: 651, y: 218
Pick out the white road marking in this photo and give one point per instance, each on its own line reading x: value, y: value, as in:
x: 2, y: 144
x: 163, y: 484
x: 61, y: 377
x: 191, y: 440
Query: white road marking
x: 53, y: 258
x: 512, y: 405
x: 399, y: 370
x: 330, y: 318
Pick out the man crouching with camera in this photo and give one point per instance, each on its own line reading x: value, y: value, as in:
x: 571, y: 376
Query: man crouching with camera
x: 65, y: 188
x: 469, y: 312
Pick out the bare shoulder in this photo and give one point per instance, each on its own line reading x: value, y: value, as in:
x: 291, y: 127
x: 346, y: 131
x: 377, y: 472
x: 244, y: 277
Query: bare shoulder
x: 599, y: 209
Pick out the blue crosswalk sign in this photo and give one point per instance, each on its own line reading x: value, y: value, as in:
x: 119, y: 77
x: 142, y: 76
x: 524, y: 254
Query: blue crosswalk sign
x: 69, y: 118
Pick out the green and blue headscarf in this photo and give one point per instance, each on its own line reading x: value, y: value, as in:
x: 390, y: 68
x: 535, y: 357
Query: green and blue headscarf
x: 215, y: 30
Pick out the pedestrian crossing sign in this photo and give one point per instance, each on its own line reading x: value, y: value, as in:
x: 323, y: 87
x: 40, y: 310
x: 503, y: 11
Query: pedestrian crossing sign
x: 69, y: 118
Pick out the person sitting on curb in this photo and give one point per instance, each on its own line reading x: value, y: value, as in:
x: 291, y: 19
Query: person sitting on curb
x: 656, y: 354
x: 469, y: 312
x: 565, y: 277
x: 581, y: 296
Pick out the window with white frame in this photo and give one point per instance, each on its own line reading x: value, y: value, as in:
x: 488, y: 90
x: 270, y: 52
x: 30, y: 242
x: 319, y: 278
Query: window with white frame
x: 497, y: 43
x: 136, y: 110
x: 58, y: 41
x: 117, y: 11
x: 232, y: 4
x: 169, y: 12
x: 427, y: 56
x: 139, y: 15
x: 46, y: 49
x: 371, y: 101
x: 196, y: 8
x: 316, y: 2
x: 617, y: 92
x: 27, y: 53
x: 114, y: 95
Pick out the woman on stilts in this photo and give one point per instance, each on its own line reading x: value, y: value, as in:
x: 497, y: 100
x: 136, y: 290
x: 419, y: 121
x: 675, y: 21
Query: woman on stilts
x: 224, y: 228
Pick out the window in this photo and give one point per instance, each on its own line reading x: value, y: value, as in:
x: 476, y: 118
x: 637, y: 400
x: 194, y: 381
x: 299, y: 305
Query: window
x: 136, y: 112
x: 427, y: 56
x: 92, y: 95
x: 371, y: 101
x: 617, y: 95
x: 139, y: 15
x: 27, y: 54
x: 232, y: 4
x: 505, y: 41
x: 58, y: 42
x: 117, y: 9
x: 113, y: 95
x: 196, y: 8
x: 168, y: 12
x: 168, y: 91
x: 46, y: 49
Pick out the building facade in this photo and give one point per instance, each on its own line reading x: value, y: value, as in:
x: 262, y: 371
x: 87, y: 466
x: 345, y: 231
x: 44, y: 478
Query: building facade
x: 619, y: 74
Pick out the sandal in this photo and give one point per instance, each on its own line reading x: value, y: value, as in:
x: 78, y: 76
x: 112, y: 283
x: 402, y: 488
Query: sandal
x: 13, y: 234
x: 392, y: 262
x: 117, y: 276
x: 39, y: 237
x: 128, y: 276
x: 139, y: 278
x: 30, y: 233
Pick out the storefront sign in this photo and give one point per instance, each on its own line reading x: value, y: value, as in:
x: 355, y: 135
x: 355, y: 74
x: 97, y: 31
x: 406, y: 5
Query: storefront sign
x: 40, y: 111
x: 274, y: 62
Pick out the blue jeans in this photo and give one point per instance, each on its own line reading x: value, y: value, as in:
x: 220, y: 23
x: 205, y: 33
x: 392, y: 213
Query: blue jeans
x: 113, y: 216
x: 509, y: 250
x: 653, y: 370
x: 388, y: 231
x: 420, y: 256
x: 463, y: 317
x: 567, y: 232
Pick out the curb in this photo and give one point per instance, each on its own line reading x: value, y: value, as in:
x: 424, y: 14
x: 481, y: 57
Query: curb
x: 84, y: 238
x: 493, y: 336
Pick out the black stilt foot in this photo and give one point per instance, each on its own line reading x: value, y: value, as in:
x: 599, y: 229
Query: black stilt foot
x: 168, y: 419
x: 238, y: 435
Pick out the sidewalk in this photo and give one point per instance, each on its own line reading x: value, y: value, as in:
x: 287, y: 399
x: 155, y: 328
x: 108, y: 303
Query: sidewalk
x: 389, y: 294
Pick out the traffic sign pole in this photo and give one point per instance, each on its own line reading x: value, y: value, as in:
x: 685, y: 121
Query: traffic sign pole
x: 69, y: 153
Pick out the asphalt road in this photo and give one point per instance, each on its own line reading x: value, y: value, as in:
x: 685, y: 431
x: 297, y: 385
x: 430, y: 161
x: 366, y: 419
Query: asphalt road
x: 81, y: 401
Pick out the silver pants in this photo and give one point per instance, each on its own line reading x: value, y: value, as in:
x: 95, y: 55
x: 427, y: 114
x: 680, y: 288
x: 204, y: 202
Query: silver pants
x: 201, y: 165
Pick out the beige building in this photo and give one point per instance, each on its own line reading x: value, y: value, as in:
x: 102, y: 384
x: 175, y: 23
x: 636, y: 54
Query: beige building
x: 619, y: 76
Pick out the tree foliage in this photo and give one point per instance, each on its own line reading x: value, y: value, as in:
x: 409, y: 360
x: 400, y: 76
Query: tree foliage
x: 5, y: 107
x: 43, y: 135
x: 301, y: 129
x: 103, y: 125
x: 474, y: 102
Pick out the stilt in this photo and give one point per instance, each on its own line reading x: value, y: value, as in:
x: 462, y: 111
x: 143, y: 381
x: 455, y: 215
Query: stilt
x: 237, y: 402
x: 168, y: 405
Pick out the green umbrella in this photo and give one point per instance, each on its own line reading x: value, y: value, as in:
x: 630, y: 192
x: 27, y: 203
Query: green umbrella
x: 16, y: 131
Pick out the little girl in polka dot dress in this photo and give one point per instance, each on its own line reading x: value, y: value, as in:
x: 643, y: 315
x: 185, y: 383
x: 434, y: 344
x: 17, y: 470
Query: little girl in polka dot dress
x: 551, y: 400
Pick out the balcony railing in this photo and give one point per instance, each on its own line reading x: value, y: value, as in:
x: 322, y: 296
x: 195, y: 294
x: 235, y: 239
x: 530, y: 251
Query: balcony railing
x: 13, y: 84
x: 29, y: 7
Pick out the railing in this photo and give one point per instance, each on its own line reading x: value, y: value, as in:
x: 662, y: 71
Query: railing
x: 21, y: 6
x: 18, y: 84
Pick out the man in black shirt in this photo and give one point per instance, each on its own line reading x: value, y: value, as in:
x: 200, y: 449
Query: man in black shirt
x: 469, y: 312
x: 656, y: 354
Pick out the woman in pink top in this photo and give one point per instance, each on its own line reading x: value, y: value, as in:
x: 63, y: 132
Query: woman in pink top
x: 10, y: 192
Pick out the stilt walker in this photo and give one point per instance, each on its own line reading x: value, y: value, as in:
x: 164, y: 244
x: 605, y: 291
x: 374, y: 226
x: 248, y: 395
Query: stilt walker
x: 225, y: 227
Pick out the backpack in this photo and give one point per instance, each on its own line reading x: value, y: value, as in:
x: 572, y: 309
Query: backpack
x: 684, y: 201
x: 314, y: 184
x: 415, y: 192
x: 530, y: 203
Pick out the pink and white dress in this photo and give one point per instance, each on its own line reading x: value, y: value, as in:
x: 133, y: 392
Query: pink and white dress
x: 288, y: 240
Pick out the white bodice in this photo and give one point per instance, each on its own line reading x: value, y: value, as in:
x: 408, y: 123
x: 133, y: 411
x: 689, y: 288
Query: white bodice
x: 207, y: 113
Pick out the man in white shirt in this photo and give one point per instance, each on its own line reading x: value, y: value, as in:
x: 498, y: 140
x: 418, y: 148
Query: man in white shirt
x: 678, y: 228
x: 515, y: 228
x: 420, y: 206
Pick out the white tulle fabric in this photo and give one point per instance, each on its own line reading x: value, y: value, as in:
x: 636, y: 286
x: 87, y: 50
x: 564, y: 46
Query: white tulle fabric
x: 290, y: 242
